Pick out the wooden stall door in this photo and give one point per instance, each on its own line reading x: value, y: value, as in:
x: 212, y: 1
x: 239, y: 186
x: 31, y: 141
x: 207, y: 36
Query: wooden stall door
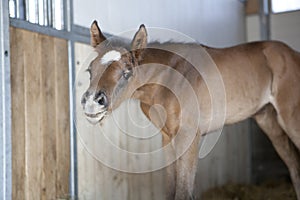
x: 40, y: 116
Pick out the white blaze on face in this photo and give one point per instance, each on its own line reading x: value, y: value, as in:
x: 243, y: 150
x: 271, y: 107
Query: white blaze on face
x: 110, y: 57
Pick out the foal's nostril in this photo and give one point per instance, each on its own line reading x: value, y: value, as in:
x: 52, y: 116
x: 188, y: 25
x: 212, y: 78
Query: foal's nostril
x: 102, y: 99
x: 83, y: 98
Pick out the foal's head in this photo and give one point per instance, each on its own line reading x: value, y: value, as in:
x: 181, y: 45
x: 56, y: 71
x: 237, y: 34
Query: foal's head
x: 111, y: 73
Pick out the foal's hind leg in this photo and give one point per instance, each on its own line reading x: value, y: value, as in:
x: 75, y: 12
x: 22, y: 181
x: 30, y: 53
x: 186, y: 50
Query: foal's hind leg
x: 267, y: 120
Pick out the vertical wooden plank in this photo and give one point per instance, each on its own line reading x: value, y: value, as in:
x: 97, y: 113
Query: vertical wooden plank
x: 48, y: 116
x: 33, y: 116
x: 90, y: 173
x: 18, y: 114
x: 87, y: 175
x: 252, y: 7
x: 40, y: 108
x: 62, y: 117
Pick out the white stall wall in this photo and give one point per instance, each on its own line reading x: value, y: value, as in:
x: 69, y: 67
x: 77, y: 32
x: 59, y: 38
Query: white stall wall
x: 284, y: 27
x: 252, y: 27
x: 212, y: 22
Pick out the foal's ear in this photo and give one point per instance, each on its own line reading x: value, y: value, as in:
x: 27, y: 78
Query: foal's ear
x: 140, y: 39
x: 96, y: 35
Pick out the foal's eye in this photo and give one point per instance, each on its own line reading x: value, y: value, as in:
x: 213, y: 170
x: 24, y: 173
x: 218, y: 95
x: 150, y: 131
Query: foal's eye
x: 127, y: 74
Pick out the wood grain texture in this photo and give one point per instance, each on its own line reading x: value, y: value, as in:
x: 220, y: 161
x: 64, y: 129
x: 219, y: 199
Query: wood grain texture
x: 18, y: 116
x: 62, y: 118
x: 40, y: 121
x: 252, y: 7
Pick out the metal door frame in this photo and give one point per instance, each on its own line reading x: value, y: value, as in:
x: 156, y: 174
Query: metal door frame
x: 5, y: 105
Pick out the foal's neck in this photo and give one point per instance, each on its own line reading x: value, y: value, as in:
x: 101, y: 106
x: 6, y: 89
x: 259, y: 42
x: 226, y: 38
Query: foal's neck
x: 158, y: 73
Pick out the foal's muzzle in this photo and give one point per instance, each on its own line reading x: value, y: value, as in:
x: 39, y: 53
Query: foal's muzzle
x: 94, y: 106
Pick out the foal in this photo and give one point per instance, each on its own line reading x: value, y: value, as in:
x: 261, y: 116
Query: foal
x: 259, y: 80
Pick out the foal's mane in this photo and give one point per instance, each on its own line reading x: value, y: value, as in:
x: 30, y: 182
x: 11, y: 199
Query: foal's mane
x: 122, y: 42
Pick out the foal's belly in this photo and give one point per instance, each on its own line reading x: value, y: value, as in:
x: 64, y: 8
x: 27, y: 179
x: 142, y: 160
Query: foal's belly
x: 246, y: 95
x: 247, y: 79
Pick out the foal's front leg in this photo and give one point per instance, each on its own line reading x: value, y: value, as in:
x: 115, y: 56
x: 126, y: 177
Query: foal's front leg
x: 170, y: 178
x: 186, y: 167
